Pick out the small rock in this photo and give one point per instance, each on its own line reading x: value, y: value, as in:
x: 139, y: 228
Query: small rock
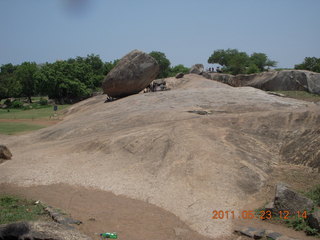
x: 180, y: 75
x: 273, y: 235
x: 5, y: 153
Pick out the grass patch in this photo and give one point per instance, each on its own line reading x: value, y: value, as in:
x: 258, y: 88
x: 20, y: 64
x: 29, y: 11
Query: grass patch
x: 16, y: 127
x: 314, y: 194
x: 39, y: 113
x: 13, y: 209
x: 301, y: 95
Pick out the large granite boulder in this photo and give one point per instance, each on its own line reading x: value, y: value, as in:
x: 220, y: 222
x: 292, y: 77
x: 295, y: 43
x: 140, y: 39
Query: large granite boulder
x: 133, y: 73
x: 197, y: 69
x: 288, y: 200
x: 5, y: 152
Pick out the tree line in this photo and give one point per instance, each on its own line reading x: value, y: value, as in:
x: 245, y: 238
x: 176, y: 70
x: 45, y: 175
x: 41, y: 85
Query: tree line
x: 68, y: 81
x: 235, y: 62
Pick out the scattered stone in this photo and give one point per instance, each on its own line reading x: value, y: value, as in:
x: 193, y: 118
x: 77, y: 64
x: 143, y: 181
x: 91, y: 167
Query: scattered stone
x: 40, y: 231
x: 273, y: 235
x: 276, y: 94
x: 180, y: 75
x: 5, y: 153
x: 197, y: 69
x: 60, y: 218
x: 256, y: 233
x: 132, y: 74
x: 200, y: 112
x: 289, y: 200
x: 314, y: 219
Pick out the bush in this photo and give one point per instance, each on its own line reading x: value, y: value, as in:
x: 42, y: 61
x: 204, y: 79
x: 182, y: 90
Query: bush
x: 43, y: 101
x: 17, y: 104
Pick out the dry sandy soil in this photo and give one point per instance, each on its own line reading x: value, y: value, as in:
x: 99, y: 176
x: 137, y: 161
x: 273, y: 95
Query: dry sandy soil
x: 201, y: 146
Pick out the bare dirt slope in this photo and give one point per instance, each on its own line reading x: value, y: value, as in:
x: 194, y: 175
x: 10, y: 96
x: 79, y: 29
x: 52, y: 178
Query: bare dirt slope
x: 200, y: 147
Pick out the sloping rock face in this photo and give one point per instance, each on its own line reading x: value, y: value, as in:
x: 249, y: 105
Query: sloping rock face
x: 303, y: 148
x: 273, y: 81
x: 201, y: 146
x: 133, y: 73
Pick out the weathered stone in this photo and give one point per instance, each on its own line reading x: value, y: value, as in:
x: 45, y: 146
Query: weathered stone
x: 133, y: 73
x: 60, y: 218
x: 5, y: 152
x: 180, y: 75
x: 273, y: 235
x: 314, y: 219
x: 197, y: 69
x: 286, y: 80
x: 289, y: 200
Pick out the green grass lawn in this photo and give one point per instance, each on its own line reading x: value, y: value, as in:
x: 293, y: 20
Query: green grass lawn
x: 40, y: 113
x: 13, y: 209
x: 10, y: 128
x: 301, y: 95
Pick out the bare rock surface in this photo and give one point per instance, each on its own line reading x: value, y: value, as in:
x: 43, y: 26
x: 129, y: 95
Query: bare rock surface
x: 132, y: 74
x: 286, y: 80
x: 156, y: 147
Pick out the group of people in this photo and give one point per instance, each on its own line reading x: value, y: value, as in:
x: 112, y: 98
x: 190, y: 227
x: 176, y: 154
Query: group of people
x: 218, y: 70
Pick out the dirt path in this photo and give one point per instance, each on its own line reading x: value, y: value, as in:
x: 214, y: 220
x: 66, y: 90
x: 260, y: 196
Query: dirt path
x: 102, y: 211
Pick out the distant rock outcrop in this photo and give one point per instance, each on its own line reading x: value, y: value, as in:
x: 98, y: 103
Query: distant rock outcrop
x: 133, y: 73
x: 287, y: 80
x: 197, y: 69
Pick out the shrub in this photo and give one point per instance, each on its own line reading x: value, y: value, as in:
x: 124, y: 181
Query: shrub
x: 17, y: 104
x: 43, y: 101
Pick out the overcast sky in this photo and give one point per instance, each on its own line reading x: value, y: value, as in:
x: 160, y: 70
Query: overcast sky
x: 187, y: 31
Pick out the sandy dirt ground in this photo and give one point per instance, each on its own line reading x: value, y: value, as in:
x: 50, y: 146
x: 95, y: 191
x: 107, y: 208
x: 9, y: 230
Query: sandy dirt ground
x: 201, y: 146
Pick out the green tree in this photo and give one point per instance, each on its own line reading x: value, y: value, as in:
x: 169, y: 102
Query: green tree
x: 163, y: 62
x: 309, y: 63
x: 25, y: 75
x: 235, y: 62
x: 9, y: 86
x: 178, y: 69
x: 262, y: 61
x: 231, y: 60
x: 108, y: 66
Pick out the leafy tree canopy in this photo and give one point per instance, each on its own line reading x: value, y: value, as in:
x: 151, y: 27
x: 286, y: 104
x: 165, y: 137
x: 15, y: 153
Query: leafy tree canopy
x: 163, y: 62
x: 235, y: 62
x: 309, y: 63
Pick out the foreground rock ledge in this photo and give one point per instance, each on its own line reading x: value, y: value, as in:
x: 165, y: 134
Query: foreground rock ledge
x: 40, y: 231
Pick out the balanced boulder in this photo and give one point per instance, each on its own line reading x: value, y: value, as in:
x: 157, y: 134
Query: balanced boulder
x: 133, y: 73
x: 5, y: 152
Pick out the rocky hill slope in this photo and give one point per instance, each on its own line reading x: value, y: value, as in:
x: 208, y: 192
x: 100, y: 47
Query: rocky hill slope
x: 201, y: 146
